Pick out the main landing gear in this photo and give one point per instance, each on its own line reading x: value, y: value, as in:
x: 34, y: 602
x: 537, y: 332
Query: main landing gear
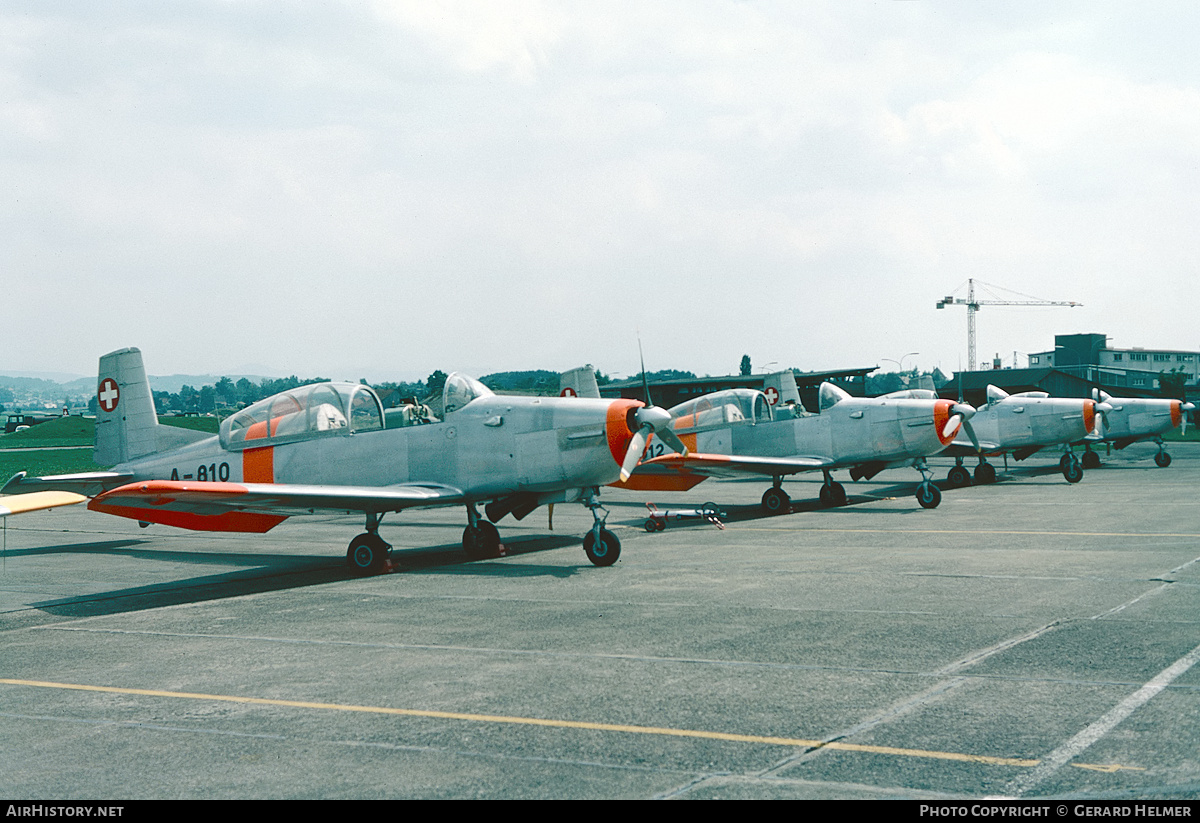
x: 1071, y: 468
x: 985, y: 473
x: 481, y: 539
x: 1090, y: 459
x: 775, y: 500
x: 833, y: 493
x: 958, y: 476
x: 368, y: 553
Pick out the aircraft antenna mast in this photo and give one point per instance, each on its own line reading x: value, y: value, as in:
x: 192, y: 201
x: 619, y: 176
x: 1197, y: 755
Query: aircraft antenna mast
x: 973, y: 305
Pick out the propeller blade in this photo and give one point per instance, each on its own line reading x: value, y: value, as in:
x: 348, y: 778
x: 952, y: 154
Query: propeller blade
x: 1101, y: 423
x: 970, y: 430
x: 952, y: 425
x: 637, y: 445
x: 663, y: 424
x: 669, y: 437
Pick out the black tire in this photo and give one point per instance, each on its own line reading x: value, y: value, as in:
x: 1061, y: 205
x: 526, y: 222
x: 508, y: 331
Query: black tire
x: 602, y: 552
x: 985, y: 473
x: 1065, y: 461
x: 481, y: 542
x: 1091, y: 460
x: 958, y: 477
x: 838, y: 494
x: 776, y: 501
x: 929, y: 495
x: 1073, y: 471
x: 367, y: 554
x: 1162, y: 459
x: 651, y: 524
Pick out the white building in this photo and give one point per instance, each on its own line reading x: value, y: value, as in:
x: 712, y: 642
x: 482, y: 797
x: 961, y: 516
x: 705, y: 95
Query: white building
x: 1137, y: 367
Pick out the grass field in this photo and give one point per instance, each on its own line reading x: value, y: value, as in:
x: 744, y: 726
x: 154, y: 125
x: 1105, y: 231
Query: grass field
x: 64, y: 446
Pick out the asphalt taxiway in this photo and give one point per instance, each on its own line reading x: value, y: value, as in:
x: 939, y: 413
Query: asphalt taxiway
x: 1026, y: 639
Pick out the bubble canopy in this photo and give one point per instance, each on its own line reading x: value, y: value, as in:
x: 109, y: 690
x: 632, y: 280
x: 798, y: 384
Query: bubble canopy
x: 461, y: 390
x: 718, y: 408
x: 316, y: 410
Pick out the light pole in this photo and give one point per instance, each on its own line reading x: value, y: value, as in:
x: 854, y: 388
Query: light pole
x: 900, y: 363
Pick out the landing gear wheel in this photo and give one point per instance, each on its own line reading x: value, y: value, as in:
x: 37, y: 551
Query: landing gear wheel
x: 833, y: 495
x: 985, y: 473
x: 959, y: 476
x: 482, y: 541
x: 1162, y: 459
x: 776, y: 501
x: 929, y: 495
x: 1066, y: 460
x: 1073, y: 471
x: 1091, y: 460
x: 602, y: 552
x: 367, y: 554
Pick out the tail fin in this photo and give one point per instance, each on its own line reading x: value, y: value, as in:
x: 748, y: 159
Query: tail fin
x: 125, y: 417
x: 784, y: 385
x: 580, y: 382
x: 126, y: 424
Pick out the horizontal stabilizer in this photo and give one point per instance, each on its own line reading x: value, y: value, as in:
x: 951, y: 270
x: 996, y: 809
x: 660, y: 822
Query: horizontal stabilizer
x: 88, y: 484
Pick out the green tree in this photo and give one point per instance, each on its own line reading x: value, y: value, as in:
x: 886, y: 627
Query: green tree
x: 435, y: 382
x: 1171, y: 383
x: 226, y: 393
x: 745, y: 368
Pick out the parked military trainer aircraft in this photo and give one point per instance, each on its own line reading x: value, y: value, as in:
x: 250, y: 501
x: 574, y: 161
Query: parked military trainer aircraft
x: 1125, y: 420
x: 325, y: 447
x: 1022, y: 424
x: 735, y: 432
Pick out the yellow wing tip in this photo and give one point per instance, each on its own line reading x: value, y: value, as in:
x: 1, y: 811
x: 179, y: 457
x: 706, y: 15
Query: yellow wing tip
x: 33, y: 501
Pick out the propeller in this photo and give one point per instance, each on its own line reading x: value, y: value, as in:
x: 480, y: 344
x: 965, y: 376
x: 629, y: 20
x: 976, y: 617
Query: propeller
x: 961, y: 414
x: 1187, y: 408
x: 650, y: 420
x: 1103, y: 407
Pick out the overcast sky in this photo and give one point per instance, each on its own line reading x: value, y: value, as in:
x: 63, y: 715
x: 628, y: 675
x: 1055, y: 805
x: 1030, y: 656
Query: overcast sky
x: 381, y: 189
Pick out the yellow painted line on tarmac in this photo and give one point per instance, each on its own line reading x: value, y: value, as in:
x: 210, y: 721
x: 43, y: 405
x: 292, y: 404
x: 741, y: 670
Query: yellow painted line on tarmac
x: 558, y: 724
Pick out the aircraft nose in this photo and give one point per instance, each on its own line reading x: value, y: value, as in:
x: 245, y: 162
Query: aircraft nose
x: 1177, y: 410
x: 948, y: 416
x: 620, y: 425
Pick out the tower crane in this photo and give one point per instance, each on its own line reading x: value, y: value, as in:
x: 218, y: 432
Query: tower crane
x: 974, y: 305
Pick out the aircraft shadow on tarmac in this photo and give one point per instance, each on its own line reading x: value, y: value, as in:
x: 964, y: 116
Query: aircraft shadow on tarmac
x: 258, y: 573
x: 633, y: 515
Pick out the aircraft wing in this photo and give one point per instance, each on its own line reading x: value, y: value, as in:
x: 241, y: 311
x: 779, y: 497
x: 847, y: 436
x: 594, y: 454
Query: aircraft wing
x: 725, y: 465
x: 259, y: 507
x: 962, y: 447
x: 18, y: 503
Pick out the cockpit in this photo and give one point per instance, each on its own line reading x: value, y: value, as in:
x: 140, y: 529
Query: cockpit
x: 461, y: 390
x: 722, y: 408
x: 303, y: 413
